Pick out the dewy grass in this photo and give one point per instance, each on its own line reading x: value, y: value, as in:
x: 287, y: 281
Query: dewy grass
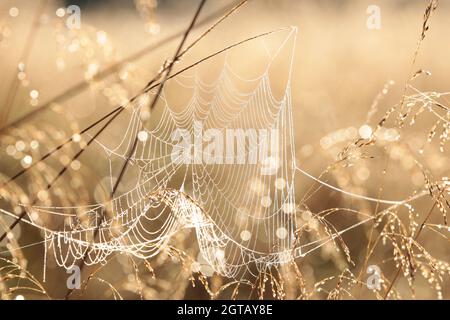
x: 336, y: 238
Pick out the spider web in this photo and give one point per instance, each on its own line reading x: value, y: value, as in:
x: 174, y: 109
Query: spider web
x: 240, y: 214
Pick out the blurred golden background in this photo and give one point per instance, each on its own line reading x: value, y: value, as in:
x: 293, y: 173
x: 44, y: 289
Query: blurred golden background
x: 345, y: 78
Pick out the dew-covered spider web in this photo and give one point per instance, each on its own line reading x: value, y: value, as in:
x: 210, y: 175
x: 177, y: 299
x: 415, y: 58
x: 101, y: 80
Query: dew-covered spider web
x: 236, y: 189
